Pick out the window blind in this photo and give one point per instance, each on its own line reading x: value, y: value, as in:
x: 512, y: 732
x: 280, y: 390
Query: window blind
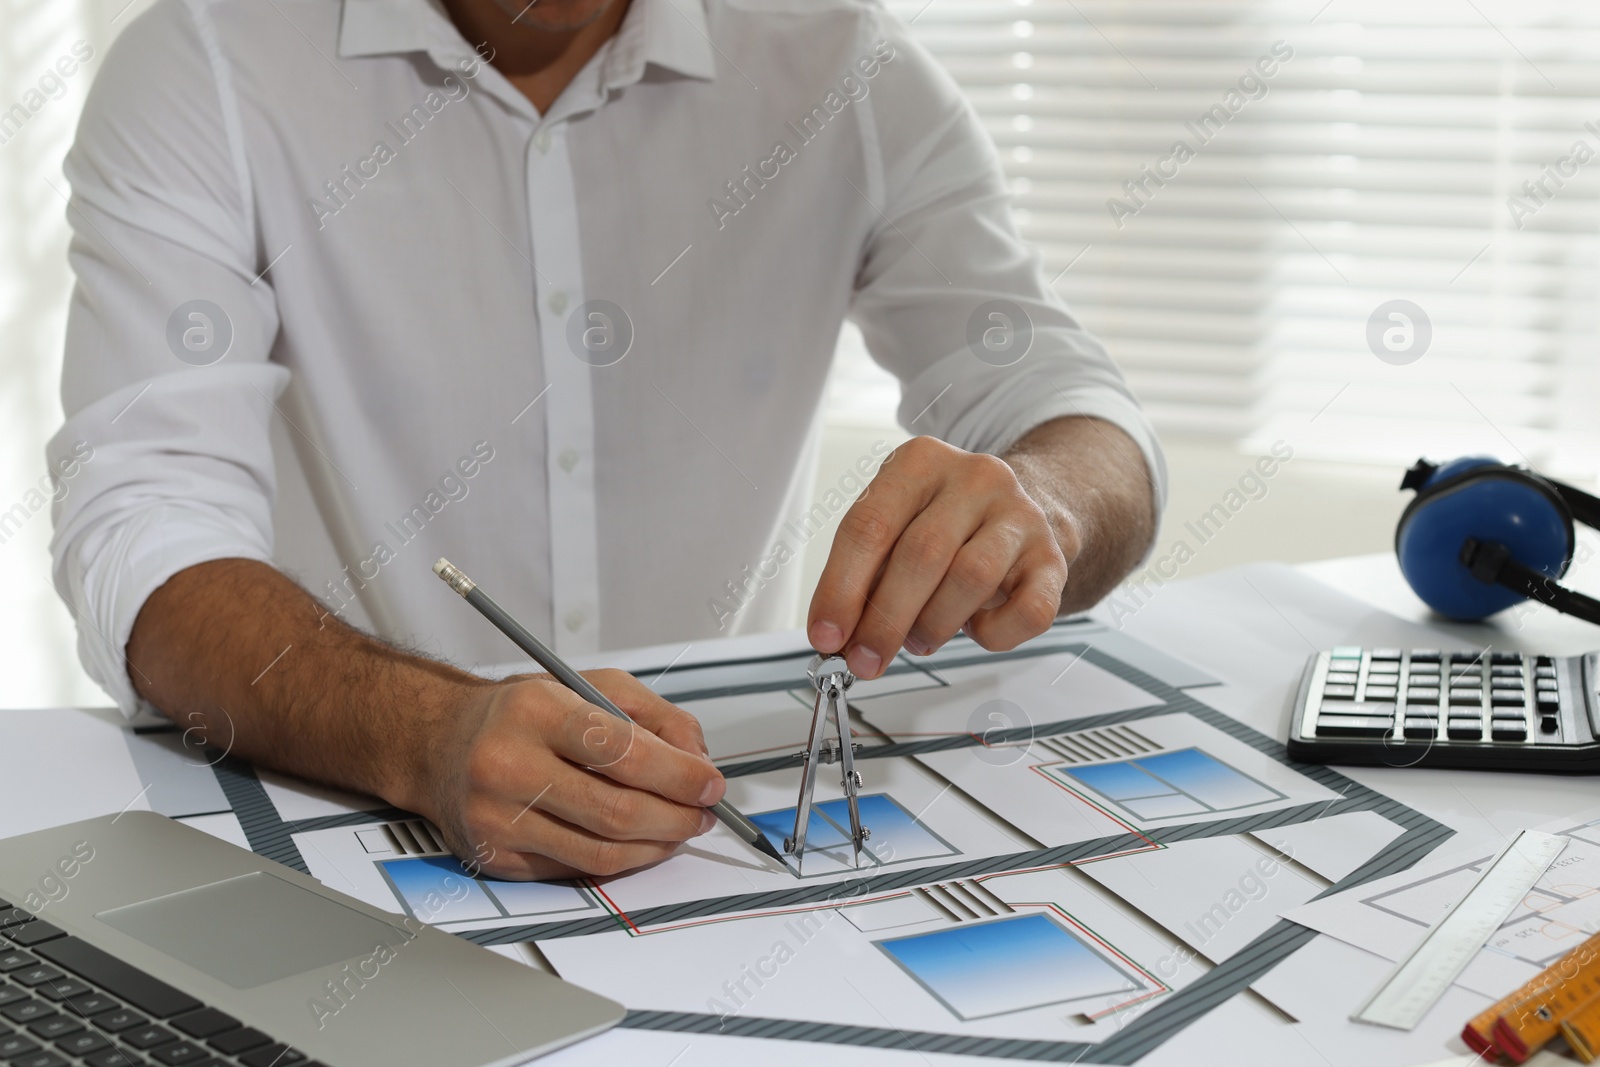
x: 1234, y: 193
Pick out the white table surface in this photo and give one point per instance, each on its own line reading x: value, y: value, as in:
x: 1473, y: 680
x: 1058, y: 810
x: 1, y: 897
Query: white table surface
x: 1253, y: 628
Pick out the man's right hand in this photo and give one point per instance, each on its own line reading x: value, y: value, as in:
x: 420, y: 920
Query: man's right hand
x: 523, y: 777
x: 527, y: 780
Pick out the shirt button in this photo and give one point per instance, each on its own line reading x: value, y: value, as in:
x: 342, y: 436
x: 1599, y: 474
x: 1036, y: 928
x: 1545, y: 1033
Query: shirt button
x: 575, y: 619
x: 541, y: 141
x: 557, y: 302
x: 568, y: 459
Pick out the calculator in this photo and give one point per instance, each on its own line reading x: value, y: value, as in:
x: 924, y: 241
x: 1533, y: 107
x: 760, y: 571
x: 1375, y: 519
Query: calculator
x: 1487, y: 709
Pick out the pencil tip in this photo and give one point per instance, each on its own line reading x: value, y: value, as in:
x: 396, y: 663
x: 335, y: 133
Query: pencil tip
x: 763, y: 846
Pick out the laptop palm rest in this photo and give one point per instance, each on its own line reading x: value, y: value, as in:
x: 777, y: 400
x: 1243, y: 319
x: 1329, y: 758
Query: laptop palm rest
x: 252, y: 929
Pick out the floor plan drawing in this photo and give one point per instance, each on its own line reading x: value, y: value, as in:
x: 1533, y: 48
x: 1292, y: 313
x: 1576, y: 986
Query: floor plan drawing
x: 994, y: 784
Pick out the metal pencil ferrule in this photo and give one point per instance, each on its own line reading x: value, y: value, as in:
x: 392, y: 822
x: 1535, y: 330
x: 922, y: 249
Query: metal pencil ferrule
x: 454, y: 576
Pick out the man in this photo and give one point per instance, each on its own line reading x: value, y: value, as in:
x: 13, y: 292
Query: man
x: 551, y: 288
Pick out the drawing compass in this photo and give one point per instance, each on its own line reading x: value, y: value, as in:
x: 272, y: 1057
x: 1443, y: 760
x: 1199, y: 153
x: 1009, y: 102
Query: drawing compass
x: 831, y: 677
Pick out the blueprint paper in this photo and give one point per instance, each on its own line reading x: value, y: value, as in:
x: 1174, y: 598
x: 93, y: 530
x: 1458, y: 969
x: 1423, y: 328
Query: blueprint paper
x: 1389, y: 916
x: 1161, y: 770
x: 177, y: 766
x: 297, y: 799
x: 60, y: 765
x: 1334, y: 846
x: 1233, y: 892
x: 1047, y: 955
x: 987, y: 830
x: 1013, y: 693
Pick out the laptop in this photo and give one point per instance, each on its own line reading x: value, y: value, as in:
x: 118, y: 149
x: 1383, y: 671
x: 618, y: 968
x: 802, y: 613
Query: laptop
x: 135, y: 941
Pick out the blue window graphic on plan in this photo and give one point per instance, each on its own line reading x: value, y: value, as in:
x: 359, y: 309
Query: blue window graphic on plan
x: 1012, y: 964
x: 1169, y: 785
x: 896, y: 835
x: 437, y: 889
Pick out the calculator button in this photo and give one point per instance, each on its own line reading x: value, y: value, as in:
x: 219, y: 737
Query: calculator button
x: 1345, y: 652
x: 1546, y: 685
x: 1418, y: 694
x: 1547, y: 724
x: 1424, y: 655
x: 1341, y: 678
x: 1548, y: 703
x: 1353, y: 726
x: 1424, y: 668
x: 1501, y: 699
x: 1339, y: 692
x: 1465, y: 730
x: 1509, y: 731
x: 1421, y: 727
x: 1380, y: 692
x: 1386, y: 653
x: 1383, y: 668
x: 1507, y: 657
x: 1544, y: 672
x: 1506, y: 672
x: 1347, y: 707
x: 1461, y: 698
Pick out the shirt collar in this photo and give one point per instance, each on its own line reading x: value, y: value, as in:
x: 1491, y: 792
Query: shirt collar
x: 672, y: 34
x: 668, y: 33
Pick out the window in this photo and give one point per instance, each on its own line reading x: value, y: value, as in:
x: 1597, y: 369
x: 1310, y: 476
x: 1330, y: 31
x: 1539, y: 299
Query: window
x: 1445, y: 153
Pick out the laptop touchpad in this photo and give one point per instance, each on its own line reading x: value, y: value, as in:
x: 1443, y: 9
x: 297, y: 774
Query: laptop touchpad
x: 253, y: 929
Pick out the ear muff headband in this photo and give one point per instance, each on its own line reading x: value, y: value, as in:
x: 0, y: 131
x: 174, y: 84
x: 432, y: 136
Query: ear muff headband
x: 1584, y: 507
x: 1492, y: 563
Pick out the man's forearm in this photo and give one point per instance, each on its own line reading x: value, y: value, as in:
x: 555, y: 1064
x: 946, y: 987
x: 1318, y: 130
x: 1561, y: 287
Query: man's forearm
x: 253, y: 664
x: 1095, y: 487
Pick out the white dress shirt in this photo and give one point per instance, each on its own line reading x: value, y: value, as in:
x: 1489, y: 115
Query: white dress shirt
x: 347, y: 302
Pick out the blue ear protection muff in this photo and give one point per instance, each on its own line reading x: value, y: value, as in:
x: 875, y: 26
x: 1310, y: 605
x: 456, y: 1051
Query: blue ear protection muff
x: 1480, y: 536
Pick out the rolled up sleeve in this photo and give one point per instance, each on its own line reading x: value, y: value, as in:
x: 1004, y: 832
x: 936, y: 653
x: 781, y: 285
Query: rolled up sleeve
x: 166, y: 384
x: 950, y: 299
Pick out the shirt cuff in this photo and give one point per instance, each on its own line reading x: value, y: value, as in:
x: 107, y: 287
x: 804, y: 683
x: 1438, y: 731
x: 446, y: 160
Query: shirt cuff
x: 133, y: 560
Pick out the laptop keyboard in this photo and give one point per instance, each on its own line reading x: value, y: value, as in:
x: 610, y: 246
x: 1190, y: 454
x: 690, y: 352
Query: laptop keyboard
x: 63, y: 1001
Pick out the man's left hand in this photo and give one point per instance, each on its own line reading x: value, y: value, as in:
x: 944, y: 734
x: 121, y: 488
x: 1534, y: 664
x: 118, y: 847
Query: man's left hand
x: 942, y: 540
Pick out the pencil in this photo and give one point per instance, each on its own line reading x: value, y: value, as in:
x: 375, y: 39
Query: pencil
x: 729, y: 815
